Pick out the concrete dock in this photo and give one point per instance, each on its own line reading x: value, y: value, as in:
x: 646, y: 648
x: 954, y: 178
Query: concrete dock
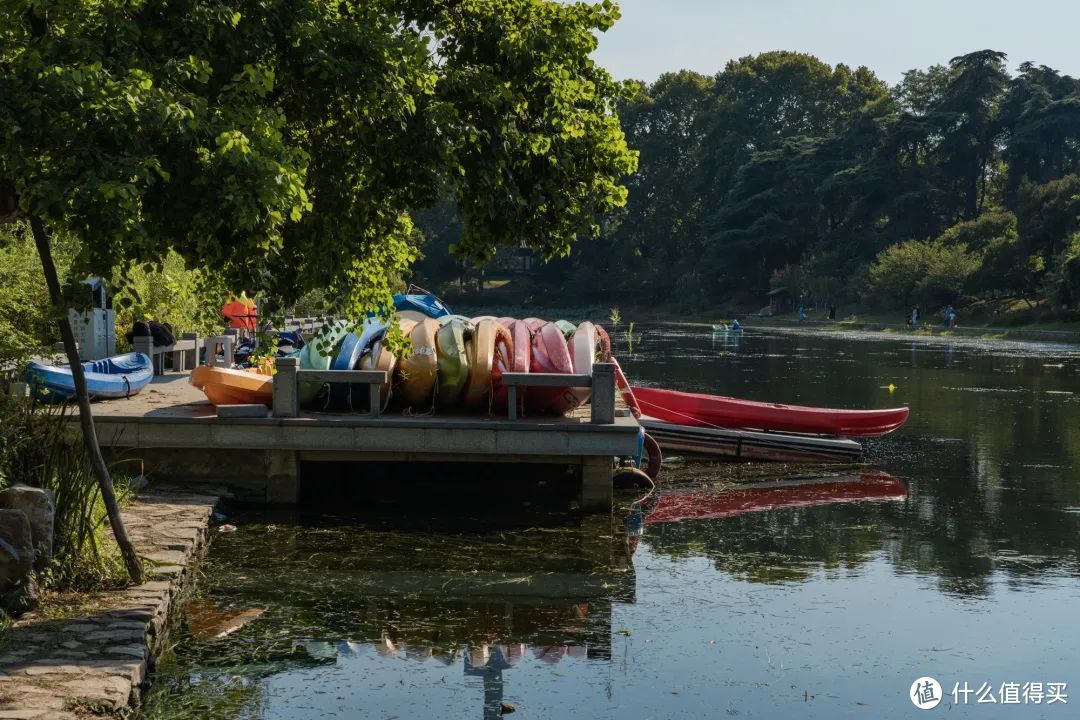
x: 178, y: 435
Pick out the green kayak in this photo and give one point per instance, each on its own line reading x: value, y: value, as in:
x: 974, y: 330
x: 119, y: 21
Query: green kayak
x: 566, y: 327
x: 317, y: 354
x: 452, y: 352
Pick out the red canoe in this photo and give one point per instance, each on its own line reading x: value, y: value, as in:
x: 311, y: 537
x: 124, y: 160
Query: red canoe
x: 727, y: 412
x: 871, y: 486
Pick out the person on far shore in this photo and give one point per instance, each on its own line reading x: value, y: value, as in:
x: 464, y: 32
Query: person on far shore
x: 915, y: 316
x: 950, y: 317
x: 802, y: 313
x: 832, y: 312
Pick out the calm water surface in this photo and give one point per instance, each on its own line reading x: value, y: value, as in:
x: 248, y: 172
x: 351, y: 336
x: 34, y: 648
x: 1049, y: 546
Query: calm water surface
x: 818, y: 611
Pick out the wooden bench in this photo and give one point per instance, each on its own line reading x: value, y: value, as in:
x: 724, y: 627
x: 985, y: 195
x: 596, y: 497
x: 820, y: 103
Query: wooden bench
x: 288, y: 377
x: 602, y: 383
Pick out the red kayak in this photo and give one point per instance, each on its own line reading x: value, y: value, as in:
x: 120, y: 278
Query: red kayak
x: 717, y: 411
x: 871, y: 486
x: 727, y: 412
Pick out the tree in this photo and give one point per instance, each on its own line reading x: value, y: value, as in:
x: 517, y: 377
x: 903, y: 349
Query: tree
x: 282, y: 143
x: 1041, y: 116
x: 928, y: 272
x: 967, y: 117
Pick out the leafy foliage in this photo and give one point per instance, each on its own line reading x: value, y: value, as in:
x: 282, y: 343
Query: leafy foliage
x: 927, y: 272
x: 783, y: 170
x: 280, y: 144
x: 26, y: 323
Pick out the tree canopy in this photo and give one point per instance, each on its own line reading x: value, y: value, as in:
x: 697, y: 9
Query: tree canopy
x: 782, y: 170
x: 282, y: 144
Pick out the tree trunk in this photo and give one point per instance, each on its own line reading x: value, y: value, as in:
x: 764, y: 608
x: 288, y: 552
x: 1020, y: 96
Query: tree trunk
x: 86, y: 419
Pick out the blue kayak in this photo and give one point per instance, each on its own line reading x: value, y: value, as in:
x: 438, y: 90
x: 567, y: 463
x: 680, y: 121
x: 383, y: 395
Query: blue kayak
x: 114, y: 377
x: 353, y: 346
x: 426, y: 303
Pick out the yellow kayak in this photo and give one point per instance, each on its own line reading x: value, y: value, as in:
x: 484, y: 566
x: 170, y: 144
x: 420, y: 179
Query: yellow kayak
x: 418, y: 373
x: 379, y: 357
x: 492, y: 352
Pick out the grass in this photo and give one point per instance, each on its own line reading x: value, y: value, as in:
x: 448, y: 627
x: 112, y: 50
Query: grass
x: 38, y: 447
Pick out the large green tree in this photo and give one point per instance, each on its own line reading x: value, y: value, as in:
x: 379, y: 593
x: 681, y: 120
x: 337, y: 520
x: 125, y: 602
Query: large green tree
x: 281, y: 143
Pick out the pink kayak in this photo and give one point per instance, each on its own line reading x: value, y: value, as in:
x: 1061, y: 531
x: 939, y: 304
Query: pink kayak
x: 549, y: 355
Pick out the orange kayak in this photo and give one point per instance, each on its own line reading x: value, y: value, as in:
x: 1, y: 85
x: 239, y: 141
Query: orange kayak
x: 224, y: 386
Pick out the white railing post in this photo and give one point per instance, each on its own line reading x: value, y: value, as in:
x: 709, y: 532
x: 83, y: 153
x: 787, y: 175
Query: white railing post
x: 286, y: 388
x: 603, y: 393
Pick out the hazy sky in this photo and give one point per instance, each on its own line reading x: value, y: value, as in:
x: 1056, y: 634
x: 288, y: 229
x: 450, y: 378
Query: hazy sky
x: 888, y: 36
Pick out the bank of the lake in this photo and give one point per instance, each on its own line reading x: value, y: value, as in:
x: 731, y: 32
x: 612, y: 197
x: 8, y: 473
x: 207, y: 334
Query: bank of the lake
x: 96, y: 655
x: 1034, y: 333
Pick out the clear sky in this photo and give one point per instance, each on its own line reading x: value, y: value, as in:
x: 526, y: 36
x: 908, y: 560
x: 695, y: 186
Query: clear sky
x: 888, y: 36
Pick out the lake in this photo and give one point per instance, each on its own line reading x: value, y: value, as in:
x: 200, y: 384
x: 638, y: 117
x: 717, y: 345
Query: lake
x: 813, y: 609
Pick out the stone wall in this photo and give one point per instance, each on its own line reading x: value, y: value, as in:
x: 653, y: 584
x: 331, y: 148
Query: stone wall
x: 97, y: 660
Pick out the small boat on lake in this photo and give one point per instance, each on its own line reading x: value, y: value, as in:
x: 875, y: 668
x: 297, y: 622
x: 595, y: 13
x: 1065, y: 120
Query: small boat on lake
x: 118, y: 376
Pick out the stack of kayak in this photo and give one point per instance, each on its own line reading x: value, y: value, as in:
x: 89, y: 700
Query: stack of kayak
x: 452, y: 362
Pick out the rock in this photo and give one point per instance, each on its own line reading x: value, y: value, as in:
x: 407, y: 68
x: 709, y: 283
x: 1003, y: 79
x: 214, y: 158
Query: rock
x: 18, y: 586
x: 506, y: 708
x: 39, y: 506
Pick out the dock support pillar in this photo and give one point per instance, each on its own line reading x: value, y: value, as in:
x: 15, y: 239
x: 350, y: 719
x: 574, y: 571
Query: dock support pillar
x: 595, y: 483
x: 282, y: 477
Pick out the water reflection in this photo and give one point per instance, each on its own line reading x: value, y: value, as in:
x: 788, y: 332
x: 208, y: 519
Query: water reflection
x: 811, y: 596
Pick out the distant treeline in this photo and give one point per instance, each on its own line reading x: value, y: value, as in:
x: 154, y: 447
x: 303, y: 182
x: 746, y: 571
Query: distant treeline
x: 959, y: 184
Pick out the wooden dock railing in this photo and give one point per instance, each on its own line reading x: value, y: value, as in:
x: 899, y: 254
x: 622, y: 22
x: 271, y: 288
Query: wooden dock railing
x: 289, y: 376
x: 602, y: 382
x: 185, y: 351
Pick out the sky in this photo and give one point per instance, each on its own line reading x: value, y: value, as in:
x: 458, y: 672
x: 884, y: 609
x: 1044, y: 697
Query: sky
x: 888, y: 36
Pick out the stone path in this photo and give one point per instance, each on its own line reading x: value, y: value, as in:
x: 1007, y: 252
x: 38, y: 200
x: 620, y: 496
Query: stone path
x: 94, y: 662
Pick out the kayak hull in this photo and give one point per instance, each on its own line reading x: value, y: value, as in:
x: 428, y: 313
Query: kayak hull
x: 318, y: 354
x: 224, y: 386
x: 549, y: 354
x: 697, y: 410
x: 424, y: 304
x: 452, y: 351
x: 349, y: 396
x: 113, y: 377
x: 419, y: 371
